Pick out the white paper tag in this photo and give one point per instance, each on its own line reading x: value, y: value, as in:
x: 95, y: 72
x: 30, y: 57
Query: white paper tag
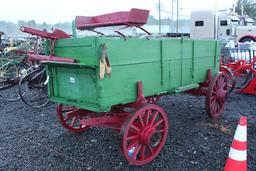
x: 72, y: 80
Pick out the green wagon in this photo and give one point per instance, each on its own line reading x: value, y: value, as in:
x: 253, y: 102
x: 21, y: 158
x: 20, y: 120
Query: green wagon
x: 116, y: 81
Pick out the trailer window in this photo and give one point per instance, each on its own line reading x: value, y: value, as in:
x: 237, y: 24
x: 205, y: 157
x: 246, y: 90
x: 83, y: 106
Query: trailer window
x: 199, y: 23
x: 228, y: 32
x: 223, y: 22
x: 235, y: 22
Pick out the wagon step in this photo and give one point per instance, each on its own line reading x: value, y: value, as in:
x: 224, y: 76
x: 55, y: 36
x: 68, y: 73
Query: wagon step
x: 187, y: 87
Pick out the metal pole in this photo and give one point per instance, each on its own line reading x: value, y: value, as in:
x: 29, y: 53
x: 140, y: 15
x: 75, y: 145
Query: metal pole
x: 242, y: 10
x: 172, y: 14
x: 159, y: 14
x: 177, y: 21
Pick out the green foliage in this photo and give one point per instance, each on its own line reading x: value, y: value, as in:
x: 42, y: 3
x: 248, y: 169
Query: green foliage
x: 249, y: 7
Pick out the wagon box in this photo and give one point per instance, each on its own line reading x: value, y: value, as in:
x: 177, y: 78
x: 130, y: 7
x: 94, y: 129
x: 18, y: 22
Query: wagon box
x: 163, y: 65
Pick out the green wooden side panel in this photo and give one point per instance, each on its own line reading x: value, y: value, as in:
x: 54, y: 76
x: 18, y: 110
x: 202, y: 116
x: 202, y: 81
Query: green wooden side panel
x: 82, y: 49
x: 73, y: 84
x: 132, y: 60
x: 163, y: 65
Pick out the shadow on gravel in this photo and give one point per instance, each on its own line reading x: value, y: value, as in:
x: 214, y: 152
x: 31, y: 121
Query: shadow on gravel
x: 34, y: 139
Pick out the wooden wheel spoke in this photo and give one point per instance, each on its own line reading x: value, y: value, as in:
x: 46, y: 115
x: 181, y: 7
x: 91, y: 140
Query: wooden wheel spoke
x: 161, y: 130
x: 213, y: 107
x: 213, y: 99
x: 223, y: 83
x: 72, y: 114
x: 141, y: 121
x: 153, y: 118
x: 214, y: 92
x: 73, y: 121
x: 148, y: 113
x: 142, y: 152
x: 220, y: 103
x: 137, y: 149
x: 137, y: 129
x: 132, y: 137
x: 217, y: 108
x: 67, y: 110
x: 158, y: 123
x: 150, y: 149
x: 219, y: 82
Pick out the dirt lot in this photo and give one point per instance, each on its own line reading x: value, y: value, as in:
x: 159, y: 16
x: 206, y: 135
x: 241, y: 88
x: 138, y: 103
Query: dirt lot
x: 34, y: 140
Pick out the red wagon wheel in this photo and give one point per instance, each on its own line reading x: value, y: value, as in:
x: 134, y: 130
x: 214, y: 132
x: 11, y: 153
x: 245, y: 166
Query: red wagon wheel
x: 144, y: 134
x: 230, y: 78
x: 70, y: 118
x: 215, y: 98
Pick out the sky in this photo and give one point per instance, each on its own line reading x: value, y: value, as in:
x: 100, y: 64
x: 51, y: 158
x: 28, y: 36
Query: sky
x: 53, y: 11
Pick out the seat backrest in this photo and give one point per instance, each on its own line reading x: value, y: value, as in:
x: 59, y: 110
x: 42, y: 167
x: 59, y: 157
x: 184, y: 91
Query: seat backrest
x: 134, y: 17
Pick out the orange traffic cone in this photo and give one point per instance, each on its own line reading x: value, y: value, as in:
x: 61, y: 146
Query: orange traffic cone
x: 237, y: 158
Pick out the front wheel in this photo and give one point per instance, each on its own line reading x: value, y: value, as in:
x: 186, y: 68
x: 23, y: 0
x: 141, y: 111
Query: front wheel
x: 70, y: 117
x: 144, y: 134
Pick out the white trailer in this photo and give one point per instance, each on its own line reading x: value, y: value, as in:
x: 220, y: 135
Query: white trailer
x: 225, y: 27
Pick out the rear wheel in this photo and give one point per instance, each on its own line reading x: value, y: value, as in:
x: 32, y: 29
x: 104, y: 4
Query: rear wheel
x: 216, y: 95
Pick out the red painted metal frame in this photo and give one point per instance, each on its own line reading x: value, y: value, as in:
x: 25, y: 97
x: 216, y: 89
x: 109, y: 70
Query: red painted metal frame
x: 133, y: 18
x: 34, y: 57
x: 113, y: 119
x: 238, y: 69
x: 250, y: 88
x: 56, y: 34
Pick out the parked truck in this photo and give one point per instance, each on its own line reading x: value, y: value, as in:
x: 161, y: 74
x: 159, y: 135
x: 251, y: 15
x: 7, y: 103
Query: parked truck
x: 224, y: 27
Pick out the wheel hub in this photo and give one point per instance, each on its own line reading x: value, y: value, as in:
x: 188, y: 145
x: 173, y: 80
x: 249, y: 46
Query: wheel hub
x: 221, y: 94
x: 147, y: 136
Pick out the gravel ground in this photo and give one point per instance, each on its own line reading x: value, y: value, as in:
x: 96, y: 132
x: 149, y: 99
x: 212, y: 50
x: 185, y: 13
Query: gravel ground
x: 34, y: 139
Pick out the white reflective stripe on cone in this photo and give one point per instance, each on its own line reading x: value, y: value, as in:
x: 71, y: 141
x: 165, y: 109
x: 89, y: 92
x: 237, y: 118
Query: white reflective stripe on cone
x: 238, y: 155
x: 241, y: 133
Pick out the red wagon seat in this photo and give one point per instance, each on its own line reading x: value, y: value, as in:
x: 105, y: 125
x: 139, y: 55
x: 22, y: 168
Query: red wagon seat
x: 134, y: 17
